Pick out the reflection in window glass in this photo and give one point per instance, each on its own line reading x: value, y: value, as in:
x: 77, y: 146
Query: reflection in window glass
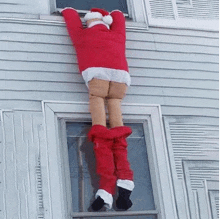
x: 84, y: 181
x: 88, y: 4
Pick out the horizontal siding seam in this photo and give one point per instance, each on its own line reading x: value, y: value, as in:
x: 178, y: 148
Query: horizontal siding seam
x: 127, y: 49
x: 153, y: 31
x: 128, y: 40
x: 132, y: 77
x: 85, y: 92
x: 171, y: 60
x: 181, y: 35
x: 130, y: 67
x: 137, y: 40
x: 162, y: 105
x: 128, y: 57
x: 148, y: 86
x: 198, y: 70
x: 62, y: 24
x: 9, y: 3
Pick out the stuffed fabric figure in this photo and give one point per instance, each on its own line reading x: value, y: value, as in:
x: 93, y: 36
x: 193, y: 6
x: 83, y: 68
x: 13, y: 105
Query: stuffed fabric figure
x: 101, y: 58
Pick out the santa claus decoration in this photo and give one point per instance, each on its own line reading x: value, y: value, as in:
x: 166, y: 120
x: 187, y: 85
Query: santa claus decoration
x: 100, y: 49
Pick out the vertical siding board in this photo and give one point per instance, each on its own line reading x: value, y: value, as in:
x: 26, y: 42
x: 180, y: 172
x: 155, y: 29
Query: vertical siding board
x: 11, y: 191
x: 21, y: 146
x: 2, y: 172
x: 37, y: 205
x: 22, y: 164
x: 28, y: 133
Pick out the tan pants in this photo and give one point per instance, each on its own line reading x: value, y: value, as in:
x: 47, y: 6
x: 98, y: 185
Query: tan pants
x: 113, y: 92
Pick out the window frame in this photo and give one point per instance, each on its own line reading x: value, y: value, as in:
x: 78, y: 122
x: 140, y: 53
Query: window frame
x: 57, y: 188
x: 136, y: 11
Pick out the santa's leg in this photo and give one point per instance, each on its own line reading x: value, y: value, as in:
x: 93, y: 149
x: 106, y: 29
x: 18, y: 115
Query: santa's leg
x: 123, y: 171
x: 98, y: 90
x: 100, y: 135
x: 105, y: 168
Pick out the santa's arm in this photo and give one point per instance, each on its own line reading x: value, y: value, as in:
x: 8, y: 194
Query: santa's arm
x: 118, y: 24
x: 73, y: 22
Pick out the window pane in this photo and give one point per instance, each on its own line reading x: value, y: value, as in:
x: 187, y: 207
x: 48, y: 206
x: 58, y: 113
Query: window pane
x: 84, y: 181
x: 88, y: 4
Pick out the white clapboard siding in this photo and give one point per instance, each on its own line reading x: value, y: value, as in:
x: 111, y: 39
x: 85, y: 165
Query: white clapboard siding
x: 166, y: 45
x: 192, y: 138
x: 177, y: 69
x: 22, y: 8
x: 193, y: 150
x: 137, y: 81
x: 70, y: 61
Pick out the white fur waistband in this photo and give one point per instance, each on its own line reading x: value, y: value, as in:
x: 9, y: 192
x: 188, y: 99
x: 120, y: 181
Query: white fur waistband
x: 107, y: 74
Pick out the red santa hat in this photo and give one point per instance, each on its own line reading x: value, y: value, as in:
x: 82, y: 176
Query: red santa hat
x: 100, y: 14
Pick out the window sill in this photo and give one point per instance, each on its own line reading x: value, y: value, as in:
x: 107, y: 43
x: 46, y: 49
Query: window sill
x: 58, y: 20
x: 114, y: 214
x: 130, y: 25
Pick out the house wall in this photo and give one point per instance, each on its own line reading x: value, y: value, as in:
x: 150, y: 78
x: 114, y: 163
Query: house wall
x: 176, y: 68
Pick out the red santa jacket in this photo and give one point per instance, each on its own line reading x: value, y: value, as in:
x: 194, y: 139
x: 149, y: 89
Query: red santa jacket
x: 98, y: 46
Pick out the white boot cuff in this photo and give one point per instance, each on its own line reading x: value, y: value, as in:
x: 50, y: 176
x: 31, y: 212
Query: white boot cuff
x: 126, y: 184
x: 107, y: 197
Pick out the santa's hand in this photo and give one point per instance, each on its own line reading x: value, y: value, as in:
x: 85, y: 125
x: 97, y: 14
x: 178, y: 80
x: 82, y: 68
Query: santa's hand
x: 60, y: 10
x: 66, y: 9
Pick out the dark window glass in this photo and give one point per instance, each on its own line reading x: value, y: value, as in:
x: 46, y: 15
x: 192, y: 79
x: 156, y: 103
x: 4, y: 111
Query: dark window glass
x: 88, y: 4
x: 84, y: 181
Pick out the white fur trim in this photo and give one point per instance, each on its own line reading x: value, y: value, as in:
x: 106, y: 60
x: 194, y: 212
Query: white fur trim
x: 97, y: 22
x: 108, y: 19
x: 92, y: 15
x: 107, y: 197
x: 126, y: 184
x: 107, y: 74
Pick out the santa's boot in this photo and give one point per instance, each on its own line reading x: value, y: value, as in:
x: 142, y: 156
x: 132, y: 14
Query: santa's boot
x: 105, y: 168
x: 123, y: 171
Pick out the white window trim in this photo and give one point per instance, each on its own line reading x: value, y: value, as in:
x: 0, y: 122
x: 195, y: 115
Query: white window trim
x: 56, y: 188
x: 183, y: 23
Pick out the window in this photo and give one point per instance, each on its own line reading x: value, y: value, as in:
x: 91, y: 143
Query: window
x: 135, y: 10
x: 195, y: 14
x: 62, y: 201
x: 83, y: 177
x: 88, y: 4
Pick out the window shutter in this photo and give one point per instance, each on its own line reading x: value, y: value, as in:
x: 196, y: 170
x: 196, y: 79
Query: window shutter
x: 199, y: 9
x: 193, y: 14
x: 162, y: 9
